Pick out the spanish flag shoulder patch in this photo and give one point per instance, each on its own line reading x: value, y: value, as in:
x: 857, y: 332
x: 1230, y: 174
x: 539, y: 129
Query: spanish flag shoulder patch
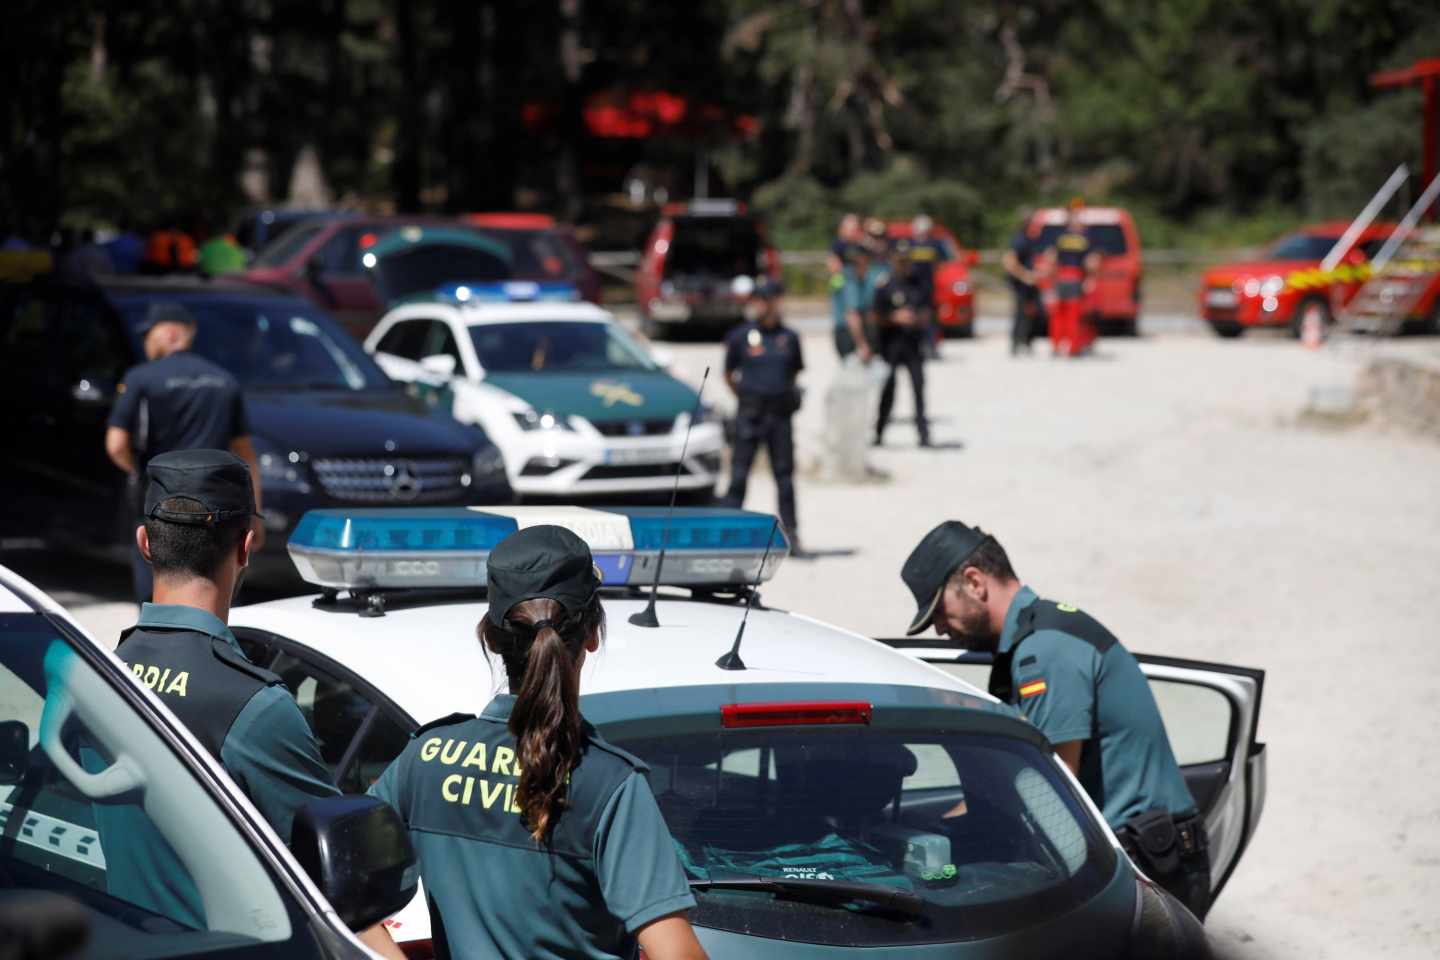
x: 1032, y: 688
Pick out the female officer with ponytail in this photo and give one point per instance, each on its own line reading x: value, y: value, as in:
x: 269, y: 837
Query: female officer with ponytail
x: 535, y: 837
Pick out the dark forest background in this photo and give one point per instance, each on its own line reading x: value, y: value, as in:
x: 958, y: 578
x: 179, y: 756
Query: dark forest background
x: 1203, y: 116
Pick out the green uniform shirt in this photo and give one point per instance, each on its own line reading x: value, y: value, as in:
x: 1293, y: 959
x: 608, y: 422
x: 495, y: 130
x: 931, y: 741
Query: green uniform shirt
x: 1073, y: 690
x: 267, y: 748
x: 609, y: 869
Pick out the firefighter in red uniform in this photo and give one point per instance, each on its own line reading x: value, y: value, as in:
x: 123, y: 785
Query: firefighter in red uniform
x: 1074, y: 262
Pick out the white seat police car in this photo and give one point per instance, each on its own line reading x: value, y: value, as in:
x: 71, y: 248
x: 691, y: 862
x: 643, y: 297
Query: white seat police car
x: 826, y: 793
x: 577, y: 406
x: 62, y: 693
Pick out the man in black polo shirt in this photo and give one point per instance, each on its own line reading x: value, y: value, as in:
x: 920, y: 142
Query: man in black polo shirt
x: 762, y: 360
x: 177, y: 400
x: 1019, y: 264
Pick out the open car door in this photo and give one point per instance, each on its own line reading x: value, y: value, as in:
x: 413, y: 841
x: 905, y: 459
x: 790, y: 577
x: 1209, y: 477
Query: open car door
x: 1211, y: 712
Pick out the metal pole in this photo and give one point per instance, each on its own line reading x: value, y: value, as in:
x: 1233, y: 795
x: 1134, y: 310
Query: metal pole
x: 1402, y: 232
x: 1432, y: 121
x: 1367, y: 216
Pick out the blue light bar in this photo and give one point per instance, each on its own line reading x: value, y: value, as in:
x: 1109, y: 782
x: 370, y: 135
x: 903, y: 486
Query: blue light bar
x: 511, y: 291
x: 434, y: 547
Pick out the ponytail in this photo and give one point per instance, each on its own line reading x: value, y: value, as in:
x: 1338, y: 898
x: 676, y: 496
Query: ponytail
x: 542, y: 660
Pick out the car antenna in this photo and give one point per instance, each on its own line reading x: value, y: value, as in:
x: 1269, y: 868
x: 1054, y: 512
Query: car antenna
x: 731, y: 659
x: 646, y: 617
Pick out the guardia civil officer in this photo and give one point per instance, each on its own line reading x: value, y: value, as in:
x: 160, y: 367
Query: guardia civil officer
x: 197, y: 537
x: 177, y: 400
x: 897, y: 310
x: 762, y: 360
x: 925, y: 253
x: 1019, y: 265
x: 536, y: 838
x: 1075, y: 681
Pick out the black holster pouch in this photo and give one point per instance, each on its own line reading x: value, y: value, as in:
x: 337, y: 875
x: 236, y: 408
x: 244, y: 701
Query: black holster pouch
x: 1153, y: 842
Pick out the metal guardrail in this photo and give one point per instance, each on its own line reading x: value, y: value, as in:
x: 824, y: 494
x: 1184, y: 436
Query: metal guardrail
x: 623, y: 262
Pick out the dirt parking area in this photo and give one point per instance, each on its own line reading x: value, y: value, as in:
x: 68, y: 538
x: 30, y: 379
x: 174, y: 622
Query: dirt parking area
x: 1171, y: 487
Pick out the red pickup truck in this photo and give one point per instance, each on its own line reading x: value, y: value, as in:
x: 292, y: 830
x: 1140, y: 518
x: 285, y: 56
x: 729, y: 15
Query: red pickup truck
x: 1114, y: 302
x: 1285, y: 286
x: 954, y: 292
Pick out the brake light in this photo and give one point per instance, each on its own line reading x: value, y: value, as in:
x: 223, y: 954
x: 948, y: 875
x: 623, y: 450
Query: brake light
x: 368, y: 240
x: 810, y: 713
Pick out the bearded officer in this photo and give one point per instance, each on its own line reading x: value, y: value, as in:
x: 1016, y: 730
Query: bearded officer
x: 197, y: 537
x: 1075, y: 681
x: 762, y: 361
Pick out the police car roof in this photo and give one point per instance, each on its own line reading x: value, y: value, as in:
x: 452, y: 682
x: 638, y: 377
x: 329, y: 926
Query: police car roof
x: 426, y: 658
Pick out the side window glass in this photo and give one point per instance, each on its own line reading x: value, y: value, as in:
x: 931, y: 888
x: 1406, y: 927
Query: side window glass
x: 31, y: 336
x: 442, y: 342
x: 95, y: 347
x: 1197, y: 720
x: 934, y: 768
x: 381, y: 743
x: 342, y: 252
x: 405, y: 340
x: 331, y: 706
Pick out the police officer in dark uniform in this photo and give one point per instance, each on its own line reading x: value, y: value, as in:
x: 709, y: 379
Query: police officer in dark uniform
x: 177, y: 400
x: 1075, y: 681
x: 925, y: 254
x: 198, y: 538
x: 1019, y: 265
x: 537, y: 838
x: 762, y: 360
x: 899, y: 299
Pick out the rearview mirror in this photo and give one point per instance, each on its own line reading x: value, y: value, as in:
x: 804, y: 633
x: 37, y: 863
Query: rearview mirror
x: 14, y: 751
x: 441, y: 364
x: 358, y: 852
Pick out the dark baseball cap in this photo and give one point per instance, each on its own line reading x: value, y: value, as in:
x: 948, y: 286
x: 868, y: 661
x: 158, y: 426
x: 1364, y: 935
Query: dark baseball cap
x: 943, y: 551
x: 216, y: 481
x: 768, y: 287
x: 164, y: 311
x: 540, y: 562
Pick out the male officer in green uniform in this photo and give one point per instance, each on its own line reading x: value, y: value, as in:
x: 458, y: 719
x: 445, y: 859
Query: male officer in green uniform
x: 197, y: 537
x: 1074, y: 680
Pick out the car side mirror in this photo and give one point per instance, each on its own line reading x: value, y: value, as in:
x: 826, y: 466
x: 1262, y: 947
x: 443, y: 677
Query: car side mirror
x: 14, y: 751
x: 358, y: 852
x: 441, y: 364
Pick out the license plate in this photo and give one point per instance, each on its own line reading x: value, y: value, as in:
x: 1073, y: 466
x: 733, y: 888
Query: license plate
x: 1220, y: 298
x: 626, y: 456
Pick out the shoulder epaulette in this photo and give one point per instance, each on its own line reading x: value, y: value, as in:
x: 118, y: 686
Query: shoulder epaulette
x: 227, y: 655
x: 601, y: 743
x: 446, y: 721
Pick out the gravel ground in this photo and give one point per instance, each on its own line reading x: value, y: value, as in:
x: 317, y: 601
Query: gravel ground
x: 1169, y: 486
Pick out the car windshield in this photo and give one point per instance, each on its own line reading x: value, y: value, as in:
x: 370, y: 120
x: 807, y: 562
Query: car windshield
x: 1302, y: 246
x: 426, y: 267
x: 272, y: 344
x: 156, y: 879
x: 1106, y: 238
x: 282, y: 248
x: 713, y: 246
x: 981, y: 827
x: 536, y: 254
x: 557, y: 346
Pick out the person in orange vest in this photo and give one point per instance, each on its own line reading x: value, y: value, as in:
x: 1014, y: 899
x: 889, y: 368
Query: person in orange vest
x: 1074, y: 263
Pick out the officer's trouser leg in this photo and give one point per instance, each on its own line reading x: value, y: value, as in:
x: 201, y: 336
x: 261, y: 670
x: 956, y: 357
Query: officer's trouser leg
x: 780, y: 443
x: 887, y: 393
x: 141, y: 576
x: 741, y: 459
x: 915, y: 364
x: 1021, y: 331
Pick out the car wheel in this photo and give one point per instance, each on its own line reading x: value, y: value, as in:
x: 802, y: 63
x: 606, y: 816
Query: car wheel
x: 1229, y: 331
x: 1312, y: 309
x: 1428, y: 327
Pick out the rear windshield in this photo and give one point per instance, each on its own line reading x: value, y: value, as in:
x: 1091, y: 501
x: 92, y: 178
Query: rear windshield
x: 981, y: 827
x: 427, y: 267
x: 1106, y: 238
x: 536, y: 254
x: 559, y: 346
x: 713, y: 246
x: 287, y: 244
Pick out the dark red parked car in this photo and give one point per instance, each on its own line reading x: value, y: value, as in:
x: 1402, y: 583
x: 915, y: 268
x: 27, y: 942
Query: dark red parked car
x: 542, y: 250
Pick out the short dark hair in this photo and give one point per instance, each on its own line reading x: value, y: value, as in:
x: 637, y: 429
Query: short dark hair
x: 191, y: 549
x: 990, y: 559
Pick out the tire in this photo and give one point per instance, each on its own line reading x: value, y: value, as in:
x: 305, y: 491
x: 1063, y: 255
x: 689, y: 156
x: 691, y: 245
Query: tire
x: 1226, y: 331
x: 1305, y: 308
x: 1428, y: 327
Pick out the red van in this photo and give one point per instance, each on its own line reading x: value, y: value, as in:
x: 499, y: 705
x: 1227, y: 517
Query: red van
x: 954, y: 291
x: 1114, y: 303
x: 689, y: 261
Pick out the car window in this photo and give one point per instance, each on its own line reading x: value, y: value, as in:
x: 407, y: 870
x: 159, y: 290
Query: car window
x: 1198, y: 720
x: 982, y: 827
x: 713, y: 246
x: 427, y: 267
x: 33, y: 334
x: 357, y: 739
x: 1302, y: 246
x: 536, y: 254
x: 406, y: 339
x: 441, y: 342
x: 95, y: 347
x: 272, y: 343
x: 1106, y: 238
x: 138, y: 841
x: 289, y: 243
x: 556, y: 346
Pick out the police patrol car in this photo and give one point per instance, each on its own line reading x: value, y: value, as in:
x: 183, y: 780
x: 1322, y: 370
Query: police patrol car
x: 825, y: 792
x: 60, y: 689
x: 576, y: 405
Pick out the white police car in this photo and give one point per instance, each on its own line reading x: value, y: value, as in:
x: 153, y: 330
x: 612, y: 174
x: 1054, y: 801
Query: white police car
x: 59, y: 690
x: 825, y: 792
x: 576, y: 405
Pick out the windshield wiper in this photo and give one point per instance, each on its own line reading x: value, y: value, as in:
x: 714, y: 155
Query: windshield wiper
x: 824, y: 891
